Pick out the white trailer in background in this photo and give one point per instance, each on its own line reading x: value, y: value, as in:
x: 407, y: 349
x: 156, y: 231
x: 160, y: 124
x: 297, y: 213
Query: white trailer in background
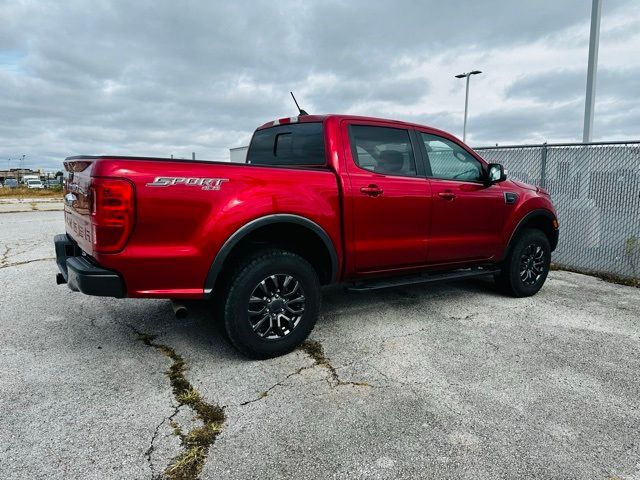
x: 26, y: 178
x: 238, y: 155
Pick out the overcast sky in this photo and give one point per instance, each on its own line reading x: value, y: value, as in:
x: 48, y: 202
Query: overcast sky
x: 160, y: 78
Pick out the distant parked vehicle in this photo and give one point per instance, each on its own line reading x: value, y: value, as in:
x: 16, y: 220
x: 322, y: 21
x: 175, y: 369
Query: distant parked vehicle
x: 52, y: 184
x: 26, y: 178
x: 11, y: 183
x: 34, y: 184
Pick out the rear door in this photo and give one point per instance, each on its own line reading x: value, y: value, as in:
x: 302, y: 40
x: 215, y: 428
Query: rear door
x: 390, y: 197
x: 467, y: 213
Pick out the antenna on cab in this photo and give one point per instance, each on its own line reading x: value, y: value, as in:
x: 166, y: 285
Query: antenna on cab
x: 302, y: 112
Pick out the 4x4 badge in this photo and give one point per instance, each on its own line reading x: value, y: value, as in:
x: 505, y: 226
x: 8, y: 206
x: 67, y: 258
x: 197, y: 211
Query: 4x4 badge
x: 205, y: 183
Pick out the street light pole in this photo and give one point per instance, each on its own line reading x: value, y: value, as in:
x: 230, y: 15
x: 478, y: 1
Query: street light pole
x: 466, y: 109
x: 466, y: 100
x: 594, y: 42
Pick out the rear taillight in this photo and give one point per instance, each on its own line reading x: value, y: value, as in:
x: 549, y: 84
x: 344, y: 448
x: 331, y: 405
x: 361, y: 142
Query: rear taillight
x: 112, y: 213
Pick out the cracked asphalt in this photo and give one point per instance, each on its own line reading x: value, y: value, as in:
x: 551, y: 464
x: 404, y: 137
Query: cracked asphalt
x: 439, y: 381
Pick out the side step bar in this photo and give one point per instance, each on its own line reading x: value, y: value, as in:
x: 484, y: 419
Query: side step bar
x: 366, y: 286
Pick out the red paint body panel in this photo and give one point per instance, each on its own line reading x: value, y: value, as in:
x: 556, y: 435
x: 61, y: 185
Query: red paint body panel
x: 467, y: 227
x: 178, y: 230
x: 388, y: 231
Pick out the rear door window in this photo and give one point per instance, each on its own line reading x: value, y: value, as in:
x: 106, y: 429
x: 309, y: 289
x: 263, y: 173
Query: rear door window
x: 292, y: 144
x: 383, y: 150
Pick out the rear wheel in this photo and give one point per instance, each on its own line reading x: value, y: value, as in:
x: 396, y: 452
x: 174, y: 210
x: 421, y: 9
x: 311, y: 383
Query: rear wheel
x: 526, y: 267
x: 272, y: 303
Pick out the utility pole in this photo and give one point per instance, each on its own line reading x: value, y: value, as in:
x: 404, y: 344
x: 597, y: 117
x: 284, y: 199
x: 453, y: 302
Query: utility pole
x: 594, y: 43
x: 466, y: 100
x: 22, y: 166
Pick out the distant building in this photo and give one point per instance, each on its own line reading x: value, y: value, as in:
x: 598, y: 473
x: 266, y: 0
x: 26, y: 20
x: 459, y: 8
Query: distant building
x: 18, y: 173
x: 238, y: 155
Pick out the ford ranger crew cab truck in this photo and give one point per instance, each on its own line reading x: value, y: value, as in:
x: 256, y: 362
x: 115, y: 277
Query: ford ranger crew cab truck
x: 366, y: 202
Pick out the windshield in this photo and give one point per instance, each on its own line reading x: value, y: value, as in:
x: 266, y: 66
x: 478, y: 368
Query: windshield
x: 34, y: 182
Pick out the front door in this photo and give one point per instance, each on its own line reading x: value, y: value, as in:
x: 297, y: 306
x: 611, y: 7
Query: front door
x: 390, y: 199
x: 468, y: 213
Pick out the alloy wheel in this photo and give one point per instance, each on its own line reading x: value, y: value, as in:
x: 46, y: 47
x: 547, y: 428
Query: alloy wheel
x: 532, y: 264
x: 276, y: 306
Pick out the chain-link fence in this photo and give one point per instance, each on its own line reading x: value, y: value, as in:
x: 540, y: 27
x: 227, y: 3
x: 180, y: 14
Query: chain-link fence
x: 596, y: 190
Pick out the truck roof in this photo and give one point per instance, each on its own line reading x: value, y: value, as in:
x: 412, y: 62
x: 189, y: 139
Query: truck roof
x: 322, y: 118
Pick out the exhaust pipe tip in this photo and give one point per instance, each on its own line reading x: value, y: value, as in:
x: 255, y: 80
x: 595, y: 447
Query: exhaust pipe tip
x: 60, y: 279
x: 179, y: 310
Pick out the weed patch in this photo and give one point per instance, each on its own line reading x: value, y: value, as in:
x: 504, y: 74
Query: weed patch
x: 195, y: 444
x: 24, y: 192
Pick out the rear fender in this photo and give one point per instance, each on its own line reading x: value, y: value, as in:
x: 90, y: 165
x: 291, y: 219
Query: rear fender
x: 234, y: 240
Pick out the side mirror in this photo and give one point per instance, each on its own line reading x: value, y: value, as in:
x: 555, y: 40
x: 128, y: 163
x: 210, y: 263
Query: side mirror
x: 496, y: 173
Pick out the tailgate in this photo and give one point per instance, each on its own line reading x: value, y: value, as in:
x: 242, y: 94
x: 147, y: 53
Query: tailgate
x: 77, y: 201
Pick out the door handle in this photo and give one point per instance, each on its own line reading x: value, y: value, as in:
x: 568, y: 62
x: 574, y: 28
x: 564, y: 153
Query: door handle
x: 372, y: 190
x: 447, y: 195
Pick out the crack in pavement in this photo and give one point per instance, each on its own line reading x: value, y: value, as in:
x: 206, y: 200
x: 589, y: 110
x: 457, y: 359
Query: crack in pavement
x: 156, y: 432
x: 5, y: 256
x: 189, y: 464
x: 196, y: 442
x: 265, y: 393
x: 315, y: 351
x: 7, y: 265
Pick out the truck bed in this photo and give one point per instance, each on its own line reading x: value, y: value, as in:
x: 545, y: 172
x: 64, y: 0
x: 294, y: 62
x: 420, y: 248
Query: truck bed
x: 190, y: 219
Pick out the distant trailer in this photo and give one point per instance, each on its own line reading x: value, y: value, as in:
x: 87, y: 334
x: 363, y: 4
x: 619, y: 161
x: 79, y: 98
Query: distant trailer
x: 26, y: 178
x: 239, y: 154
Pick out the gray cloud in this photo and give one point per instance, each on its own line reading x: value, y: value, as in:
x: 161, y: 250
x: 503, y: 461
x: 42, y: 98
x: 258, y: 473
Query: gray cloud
x: 163, y: 77
x: 536, y: 124
x: 566, y: 85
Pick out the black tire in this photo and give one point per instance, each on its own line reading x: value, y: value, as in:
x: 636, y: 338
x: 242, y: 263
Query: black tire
x: 526, y: 267
x: 261, y: 275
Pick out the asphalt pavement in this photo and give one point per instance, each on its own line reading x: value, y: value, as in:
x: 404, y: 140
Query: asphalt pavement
x: 440, y: 381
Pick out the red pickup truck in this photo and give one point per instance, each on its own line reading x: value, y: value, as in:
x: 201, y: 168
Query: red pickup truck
x: 367, y: 202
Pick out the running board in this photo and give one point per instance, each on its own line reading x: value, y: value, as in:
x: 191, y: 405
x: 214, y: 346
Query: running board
x: 368, y: 285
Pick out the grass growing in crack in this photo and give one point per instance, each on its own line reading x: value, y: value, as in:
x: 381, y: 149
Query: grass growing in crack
x: 315, y: 350
x: 188, y: 396
x: 189, y: 464
x: 177, y: 431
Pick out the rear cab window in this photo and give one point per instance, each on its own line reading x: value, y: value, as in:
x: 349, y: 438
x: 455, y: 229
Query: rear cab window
x: 295, y: 144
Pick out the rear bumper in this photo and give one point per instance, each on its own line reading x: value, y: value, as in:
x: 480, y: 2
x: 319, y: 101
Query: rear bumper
x: 82, y: 274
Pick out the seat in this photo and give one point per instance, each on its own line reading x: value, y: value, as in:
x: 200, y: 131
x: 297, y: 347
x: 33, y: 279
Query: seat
x: 390, y: 162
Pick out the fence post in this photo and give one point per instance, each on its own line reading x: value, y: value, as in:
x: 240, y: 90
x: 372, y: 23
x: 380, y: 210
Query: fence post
x: 543, y: 166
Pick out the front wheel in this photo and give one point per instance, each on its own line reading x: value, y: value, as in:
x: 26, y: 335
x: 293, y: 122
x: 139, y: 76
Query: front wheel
x: 526, y: 266
x: 272, y: 304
